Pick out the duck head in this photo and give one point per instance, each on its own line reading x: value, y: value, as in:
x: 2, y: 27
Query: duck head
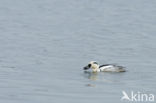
x: 93, y: 65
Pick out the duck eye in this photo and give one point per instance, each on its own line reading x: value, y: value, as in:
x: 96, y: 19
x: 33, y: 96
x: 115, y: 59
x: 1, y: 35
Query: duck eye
x: 89, y: 65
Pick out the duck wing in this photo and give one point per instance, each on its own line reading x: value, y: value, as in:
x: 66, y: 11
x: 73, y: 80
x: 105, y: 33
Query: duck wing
x: 105, y: 65
x: 112, y: 68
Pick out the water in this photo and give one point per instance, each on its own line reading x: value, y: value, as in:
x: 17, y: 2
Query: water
x: 44, y: 45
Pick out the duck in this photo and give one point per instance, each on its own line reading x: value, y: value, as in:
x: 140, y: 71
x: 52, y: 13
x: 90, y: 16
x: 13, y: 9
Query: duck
x: 104, y: 68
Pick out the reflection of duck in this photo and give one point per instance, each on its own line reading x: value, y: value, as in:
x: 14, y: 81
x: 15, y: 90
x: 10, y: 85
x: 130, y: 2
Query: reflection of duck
x: 105, y: 68
x: 94, y: 76
x: 109, y: 77
x: 91, y: 75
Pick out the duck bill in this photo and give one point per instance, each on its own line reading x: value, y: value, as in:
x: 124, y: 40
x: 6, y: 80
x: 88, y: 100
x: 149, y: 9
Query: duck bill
x: 86, y: 67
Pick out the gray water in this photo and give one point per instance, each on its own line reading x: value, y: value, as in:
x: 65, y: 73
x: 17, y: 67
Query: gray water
x: 44, y: 45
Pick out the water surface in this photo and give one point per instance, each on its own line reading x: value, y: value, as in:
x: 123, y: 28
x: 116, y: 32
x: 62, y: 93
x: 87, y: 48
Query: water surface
x: 45, y: 44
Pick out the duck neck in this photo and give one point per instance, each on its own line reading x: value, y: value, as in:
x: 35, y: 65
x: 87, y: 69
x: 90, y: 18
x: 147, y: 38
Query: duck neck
x: 96, y: 68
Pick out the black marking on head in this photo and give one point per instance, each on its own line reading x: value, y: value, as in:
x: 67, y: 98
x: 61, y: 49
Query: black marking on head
x: 95, y: 63
x: 89, y: 65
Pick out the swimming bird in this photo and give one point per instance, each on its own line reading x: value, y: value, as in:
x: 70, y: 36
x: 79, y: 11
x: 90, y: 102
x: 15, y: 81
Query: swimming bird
x: 104, y: 68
